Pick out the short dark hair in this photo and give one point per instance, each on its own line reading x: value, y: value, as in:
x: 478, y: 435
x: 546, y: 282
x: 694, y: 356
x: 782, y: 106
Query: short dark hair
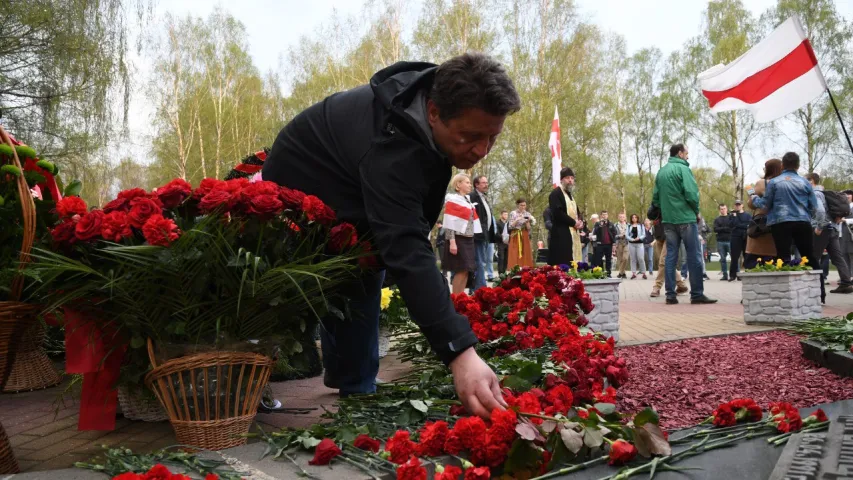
x: 814, y: 177
x: 473, y: 80
x: 602, y: 212
x: 504, y: 211
x: 520, y: 201
x: 676, y: 149
x: 723, y: 205
x: 478, y: 178
x: 791, y: 161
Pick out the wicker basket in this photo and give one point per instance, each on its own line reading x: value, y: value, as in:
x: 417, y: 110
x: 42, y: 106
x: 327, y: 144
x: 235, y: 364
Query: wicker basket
x: 138, y: 406
x: 31, y: 370
x: 211, y: 398
x: 8, y: 464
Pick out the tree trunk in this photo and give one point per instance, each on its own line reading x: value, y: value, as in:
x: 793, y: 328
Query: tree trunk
x: 201, y: 146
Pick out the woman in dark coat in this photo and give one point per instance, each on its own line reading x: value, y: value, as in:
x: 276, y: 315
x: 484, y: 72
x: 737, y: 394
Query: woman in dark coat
x: 565, y: 243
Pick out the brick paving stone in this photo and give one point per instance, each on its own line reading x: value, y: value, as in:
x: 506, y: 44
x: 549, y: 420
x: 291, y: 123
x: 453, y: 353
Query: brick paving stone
x: 55, y: 449
x: 21, y: 439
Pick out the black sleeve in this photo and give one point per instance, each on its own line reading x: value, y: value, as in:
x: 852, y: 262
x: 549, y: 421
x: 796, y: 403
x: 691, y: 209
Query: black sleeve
x: 481, y: 215
x: 558, y: 209
x: 395, y: 182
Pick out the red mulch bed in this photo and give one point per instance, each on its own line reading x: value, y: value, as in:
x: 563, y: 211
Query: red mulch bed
x: 686, y: 380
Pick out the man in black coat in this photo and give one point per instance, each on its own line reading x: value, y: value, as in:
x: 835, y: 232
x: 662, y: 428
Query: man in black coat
x: 381, y: 155
x: 484, y: 240
x: 739, y: 223
x: 604, y: 234
x: 565, y: 220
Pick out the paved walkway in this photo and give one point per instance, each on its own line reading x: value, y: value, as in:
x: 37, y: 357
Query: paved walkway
x: 44, y: 432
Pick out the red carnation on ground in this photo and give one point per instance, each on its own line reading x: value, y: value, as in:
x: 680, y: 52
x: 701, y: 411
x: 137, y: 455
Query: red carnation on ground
x: 89, y: 226
x: 478, y: 473
x: 819, y: 415
x: 174, y: 193
x: 160, y: 231
x: 400, y: 446
x: 432, y: 438
x: 115, y: 226
x: 70, y: 206
x: 411, y: 470
x: 621, y: 452
x: 342, y: 237
x: 317, y: 211
x: 141, y: 209
x: 787, y: 417
x: 364, y: 442
x: 724, y: 416
x: 503, y: 426
x: 560, y: 397
x: 325, y: 451
x: 451, y: 472
x: 470, y: 431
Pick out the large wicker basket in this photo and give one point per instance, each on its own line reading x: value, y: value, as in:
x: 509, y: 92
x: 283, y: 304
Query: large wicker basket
x: 32, y: 369
x: 8, y: 464
x: 211, y: 398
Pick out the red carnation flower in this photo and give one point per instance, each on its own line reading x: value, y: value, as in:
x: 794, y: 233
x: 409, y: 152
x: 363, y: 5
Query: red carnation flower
x: 70, y: 206
x: 265, y: 206
x: 458, y: 410
x: 724, y: 416
x: 119, y: 204
x: 411, y: 470
x: 503, y: 426
x: 621, y: 452
x: 342, y: 237
x: 292, y: 199
x: 64, y: 233
x: 236, y: 184
x: 132, y: 193
x: 141, y: 209
x: 317, y: 211
x: 364, y: 442
x: 432, y: 438
x: 560, y: 397
x: 206, y: 186
x: 451, y: 472
x: 89, y: 225
x: 400, y: 446
x: 174, y: 193
x: 471, y: 431
x: 324, y: 453
x: 115, y: 226
x: 221, y: 200
x: 160, y: 231
x: 478, y: 473
x: 819, y: 415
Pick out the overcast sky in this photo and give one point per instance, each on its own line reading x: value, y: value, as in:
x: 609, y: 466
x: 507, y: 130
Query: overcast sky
x: 273, y: 26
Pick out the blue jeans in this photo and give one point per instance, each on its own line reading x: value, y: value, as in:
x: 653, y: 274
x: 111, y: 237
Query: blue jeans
x: 490, y: 259
x: 481, y: 252
x: 351, y: 346
x: 585, y: 253
x: 687, y: 233
x: 724, y: 249
x: 649, y: 248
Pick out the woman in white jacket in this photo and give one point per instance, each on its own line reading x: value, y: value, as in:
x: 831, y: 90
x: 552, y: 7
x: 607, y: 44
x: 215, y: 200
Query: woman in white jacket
x: 636, y: 233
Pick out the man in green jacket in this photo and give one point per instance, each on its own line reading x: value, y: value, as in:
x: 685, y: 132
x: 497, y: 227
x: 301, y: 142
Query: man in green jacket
x: 677, y: 195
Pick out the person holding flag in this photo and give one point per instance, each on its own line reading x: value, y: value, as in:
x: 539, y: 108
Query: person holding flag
x: 461, y: 224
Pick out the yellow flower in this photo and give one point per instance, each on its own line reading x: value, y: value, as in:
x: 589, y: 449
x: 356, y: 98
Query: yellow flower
x: 759, y: 260
x: 574, y: 265
x: 779, y: 264
x: 596, y: 269
x: 387, y: 294
x: 804, y: 261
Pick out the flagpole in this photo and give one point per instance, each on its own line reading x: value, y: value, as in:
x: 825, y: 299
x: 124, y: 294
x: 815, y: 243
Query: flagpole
x: 837, y: 113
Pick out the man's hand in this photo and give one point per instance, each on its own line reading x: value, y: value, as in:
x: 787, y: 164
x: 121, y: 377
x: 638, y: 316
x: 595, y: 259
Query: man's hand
x: 579, y: 224
x: 476, y: 384
x: 818, y: 231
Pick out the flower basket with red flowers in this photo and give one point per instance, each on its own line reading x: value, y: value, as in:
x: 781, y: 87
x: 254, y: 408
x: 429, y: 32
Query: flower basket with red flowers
x: 226, y: 266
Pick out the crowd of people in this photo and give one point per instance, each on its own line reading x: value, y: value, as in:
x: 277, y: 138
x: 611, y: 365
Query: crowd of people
x: 787, y: 213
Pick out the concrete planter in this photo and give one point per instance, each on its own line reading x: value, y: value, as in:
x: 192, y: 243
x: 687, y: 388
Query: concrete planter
x: 774, y: 298
x: 604, y: 317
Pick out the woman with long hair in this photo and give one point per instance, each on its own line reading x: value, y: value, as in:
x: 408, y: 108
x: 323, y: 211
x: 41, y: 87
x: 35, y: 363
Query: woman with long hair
x: 636, y: 234
x: 520, y: 222
x: 762, y: 246
x: 460, y: 225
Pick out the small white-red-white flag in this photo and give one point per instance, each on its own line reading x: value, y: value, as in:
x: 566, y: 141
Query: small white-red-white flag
x: 771, y: 80
x: 556, y: 149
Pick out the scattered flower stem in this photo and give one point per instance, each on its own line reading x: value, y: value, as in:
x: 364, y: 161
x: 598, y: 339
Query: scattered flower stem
x: 573, y: 468
x: 783, y: 438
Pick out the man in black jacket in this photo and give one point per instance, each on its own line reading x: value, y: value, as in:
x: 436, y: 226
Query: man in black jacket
x: 604, y: 234
x: 484, y: 240
x: 564, y: 241
x: 739, y: 223
x: 381, y: 155
x: 723, y: 229
x: 499, y: 243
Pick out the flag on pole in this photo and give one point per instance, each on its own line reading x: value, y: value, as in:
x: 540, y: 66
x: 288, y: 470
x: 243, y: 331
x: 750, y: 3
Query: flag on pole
x: 556, y: 149
x: 771, y: 80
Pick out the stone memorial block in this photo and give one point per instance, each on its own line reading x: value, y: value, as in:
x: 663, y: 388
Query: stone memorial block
x: 773, y: 298
x: 819, y: 455
x: 604, y: 317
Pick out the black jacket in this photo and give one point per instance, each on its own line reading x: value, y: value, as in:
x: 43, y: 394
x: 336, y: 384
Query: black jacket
x: 597, y: 232
x: 369, y: 159
x: 546, y: 216
x: 723, y: 228
x: 560, y: 246
x: 740, y: 223
x: 488, y: 234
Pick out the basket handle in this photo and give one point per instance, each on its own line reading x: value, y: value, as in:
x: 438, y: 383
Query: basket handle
x: 28, y: 210
x: 151, y: 353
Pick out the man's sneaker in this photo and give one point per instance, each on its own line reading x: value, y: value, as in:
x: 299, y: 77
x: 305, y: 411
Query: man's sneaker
x: 843, y: 289
x: 681, y: 290
x: 725, y: 279
x: 702, y: 300
x: 655, y: 292
x: 329, y: 381
x: 671, y: 301
x: 706, y: 277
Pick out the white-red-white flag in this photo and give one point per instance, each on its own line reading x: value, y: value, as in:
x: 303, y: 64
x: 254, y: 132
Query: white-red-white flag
x: 556, y: 149
x: 771, y: 80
